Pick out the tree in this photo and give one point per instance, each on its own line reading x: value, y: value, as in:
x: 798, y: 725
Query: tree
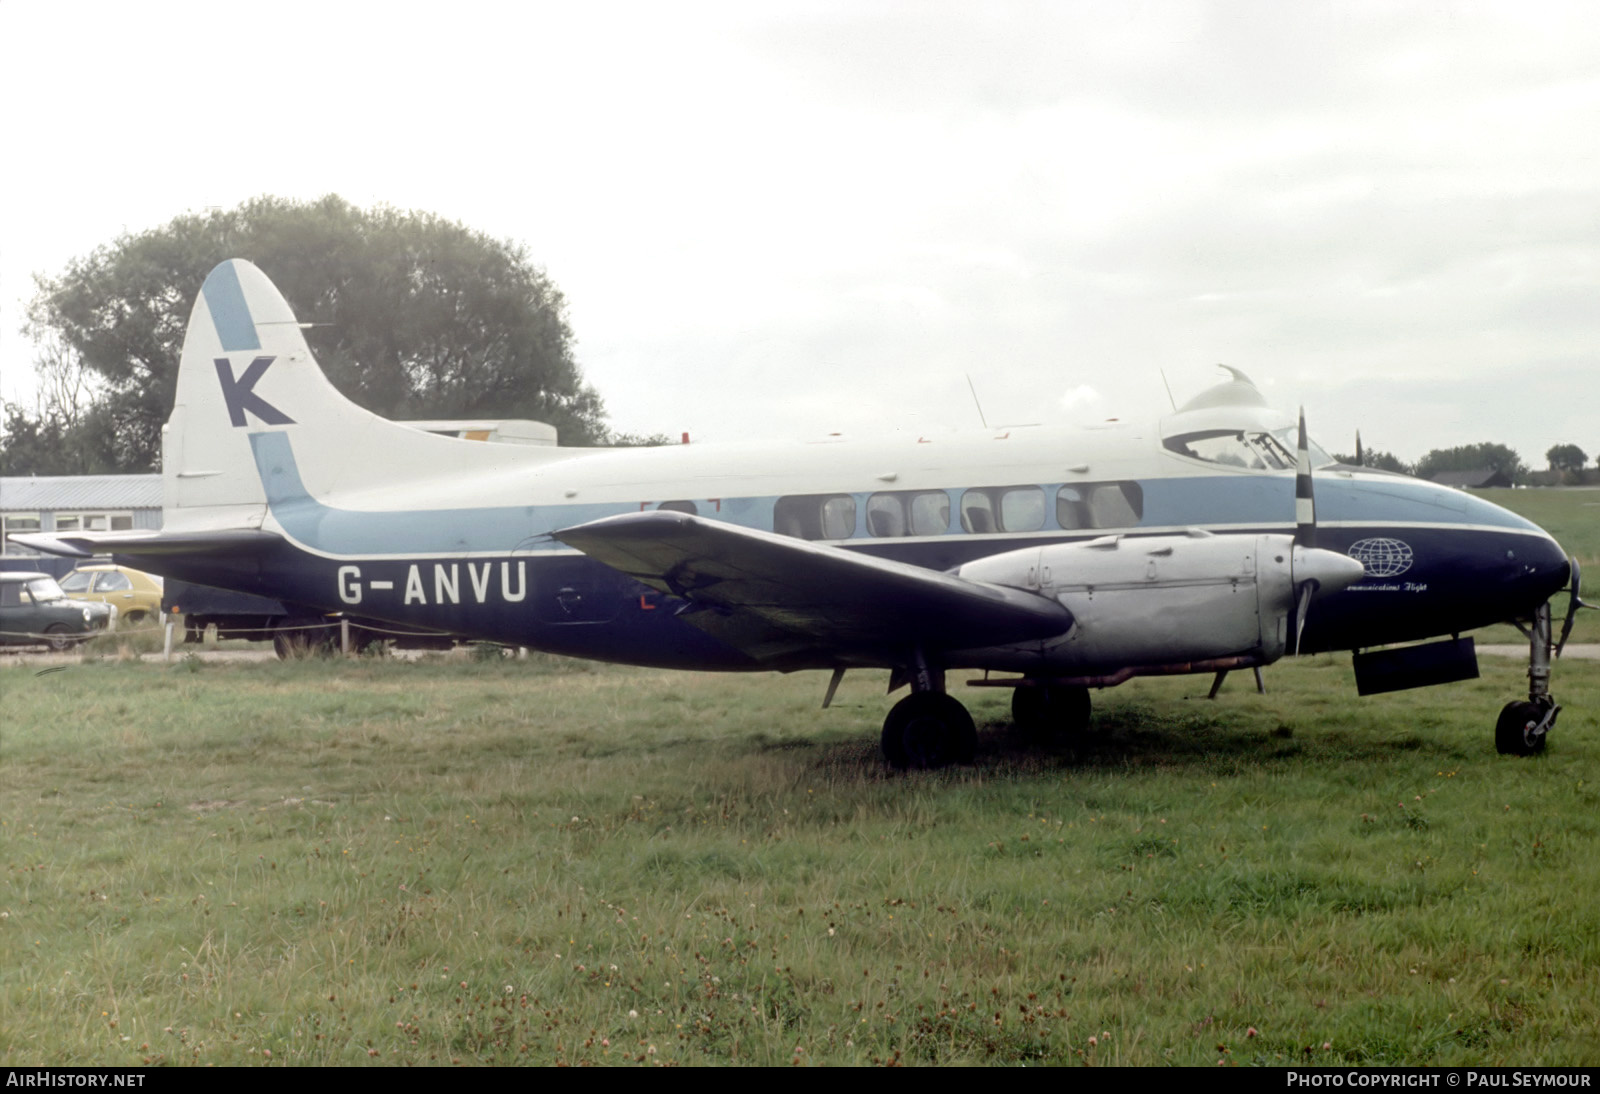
x: 1566, y: 457
x: 414, y: 317
x: 1473, y: 457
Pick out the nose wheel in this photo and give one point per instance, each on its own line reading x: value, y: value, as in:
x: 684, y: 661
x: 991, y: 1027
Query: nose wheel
x: 1522, y: 727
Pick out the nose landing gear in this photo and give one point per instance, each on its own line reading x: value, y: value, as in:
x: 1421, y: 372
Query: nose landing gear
x: 1523, y: 725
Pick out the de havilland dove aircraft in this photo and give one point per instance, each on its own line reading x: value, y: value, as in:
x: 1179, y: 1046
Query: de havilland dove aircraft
x: 1215, y: 538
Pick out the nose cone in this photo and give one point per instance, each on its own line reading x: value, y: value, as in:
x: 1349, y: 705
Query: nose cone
x: 1537, y: 569
x: 1330, y: 570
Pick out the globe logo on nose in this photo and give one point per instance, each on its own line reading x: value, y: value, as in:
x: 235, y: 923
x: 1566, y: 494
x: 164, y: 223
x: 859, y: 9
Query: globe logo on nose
x: 1382, y: 557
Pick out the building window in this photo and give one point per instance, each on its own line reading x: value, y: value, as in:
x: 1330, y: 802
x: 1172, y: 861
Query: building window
x: 20, y: 523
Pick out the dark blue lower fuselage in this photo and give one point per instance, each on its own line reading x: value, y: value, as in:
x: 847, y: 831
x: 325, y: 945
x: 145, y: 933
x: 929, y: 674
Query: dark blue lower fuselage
x: 1437, y: 581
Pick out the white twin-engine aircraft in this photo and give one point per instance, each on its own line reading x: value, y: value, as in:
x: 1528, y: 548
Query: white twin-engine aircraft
x: 1070, y: 559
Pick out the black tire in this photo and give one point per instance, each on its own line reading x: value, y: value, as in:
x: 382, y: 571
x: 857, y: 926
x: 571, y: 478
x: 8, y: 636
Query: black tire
x: 134, y: 619
x: 59, y: 637
x: 893, y: 742
x: 1051, y: 712
x: 1030, y: 709
x: 927, y: 731
x: 1511, y: 732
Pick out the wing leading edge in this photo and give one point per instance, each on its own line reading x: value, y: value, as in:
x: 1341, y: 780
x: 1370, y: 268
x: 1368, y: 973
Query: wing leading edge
x: 783, y: 600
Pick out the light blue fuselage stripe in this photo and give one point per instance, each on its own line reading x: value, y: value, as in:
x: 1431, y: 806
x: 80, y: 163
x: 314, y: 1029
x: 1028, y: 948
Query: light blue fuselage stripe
x: 502, y: 529
x: 229, y: 313
x: 1170, y: 502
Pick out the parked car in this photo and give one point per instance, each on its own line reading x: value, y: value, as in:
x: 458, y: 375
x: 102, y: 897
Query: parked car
x: 135, y: 594
x: 34, y: 611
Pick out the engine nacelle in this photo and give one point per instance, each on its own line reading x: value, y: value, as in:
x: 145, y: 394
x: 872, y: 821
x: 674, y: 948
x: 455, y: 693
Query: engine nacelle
x: 1161, y: 600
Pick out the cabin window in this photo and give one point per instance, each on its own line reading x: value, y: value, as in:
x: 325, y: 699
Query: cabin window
x: 930, y: 513
x: 1116, y: 504
x: 977, y: 513
x: 680, y: 507
x: 1022, y: 509
x: 925, y: 513
x: 815, y: 516
x: 989, y: 509
x: 886, y: 516
x: 1099, y: 505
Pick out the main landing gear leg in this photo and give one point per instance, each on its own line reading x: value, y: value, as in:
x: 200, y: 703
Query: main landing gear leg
x: 928, y: 729
x: 1523, y: 726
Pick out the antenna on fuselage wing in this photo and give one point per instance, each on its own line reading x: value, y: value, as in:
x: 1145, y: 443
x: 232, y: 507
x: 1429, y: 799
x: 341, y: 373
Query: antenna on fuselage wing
x: 975, y: 402
x: 1168, y: 386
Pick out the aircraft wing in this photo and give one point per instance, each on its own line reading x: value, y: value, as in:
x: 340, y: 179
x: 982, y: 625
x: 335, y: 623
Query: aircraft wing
x: 149, y: 543
x: 778, y: 598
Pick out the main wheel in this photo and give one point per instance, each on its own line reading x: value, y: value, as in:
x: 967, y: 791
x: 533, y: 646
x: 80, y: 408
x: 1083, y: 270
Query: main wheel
x: 302, y: 636
x: 1513, y: 733
x: 929, y: 730
x: 59, y: 637
x: 1048, y: 712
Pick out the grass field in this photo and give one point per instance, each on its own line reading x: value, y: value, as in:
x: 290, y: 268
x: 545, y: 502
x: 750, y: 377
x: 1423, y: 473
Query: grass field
x: 1571, y: 514
x: 539, y: 861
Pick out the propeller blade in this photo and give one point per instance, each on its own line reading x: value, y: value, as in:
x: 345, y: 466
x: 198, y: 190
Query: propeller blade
x: 1574, y: 604
x: 1305, y: 507
x: 1300, y: 609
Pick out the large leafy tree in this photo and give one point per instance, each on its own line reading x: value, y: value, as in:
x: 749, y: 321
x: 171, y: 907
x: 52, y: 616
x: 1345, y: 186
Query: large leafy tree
x: 1566, y: 457
x: 1473, y: 457
x: 413, y: 316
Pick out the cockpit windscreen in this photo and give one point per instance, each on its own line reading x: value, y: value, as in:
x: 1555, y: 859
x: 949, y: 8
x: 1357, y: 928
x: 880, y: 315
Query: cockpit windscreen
x: 1255, y: 449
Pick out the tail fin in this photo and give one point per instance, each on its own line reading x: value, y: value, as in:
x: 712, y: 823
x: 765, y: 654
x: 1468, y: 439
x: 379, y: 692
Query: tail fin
x: 245, y: 369
x: 256, y: 421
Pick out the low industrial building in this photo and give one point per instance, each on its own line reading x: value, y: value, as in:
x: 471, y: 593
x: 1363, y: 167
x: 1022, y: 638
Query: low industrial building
x: 72, y: 503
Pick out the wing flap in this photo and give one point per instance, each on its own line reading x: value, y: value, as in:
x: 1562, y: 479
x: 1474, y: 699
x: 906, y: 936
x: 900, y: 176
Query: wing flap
x: 776, y: 597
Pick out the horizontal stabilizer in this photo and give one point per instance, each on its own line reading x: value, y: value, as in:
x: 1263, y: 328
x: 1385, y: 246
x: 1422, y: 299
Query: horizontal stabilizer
x: 230, y: 541
x: 815, y: 595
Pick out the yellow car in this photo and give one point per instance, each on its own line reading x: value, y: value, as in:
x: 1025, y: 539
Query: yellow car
x: 135, y: 594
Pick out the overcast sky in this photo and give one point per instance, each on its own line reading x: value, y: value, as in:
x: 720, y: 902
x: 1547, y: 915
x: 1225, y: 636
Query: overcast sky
x: 789, y: 219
